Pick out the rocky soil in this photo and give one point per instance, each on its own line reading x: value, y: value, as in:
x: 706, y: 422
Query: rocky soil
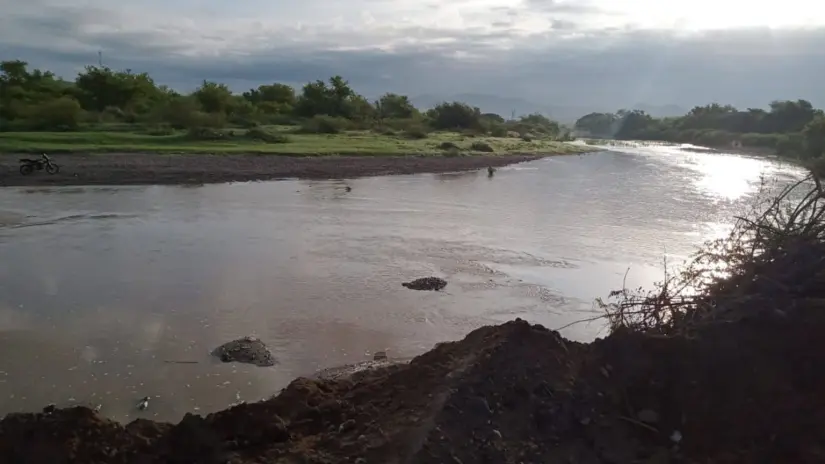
x: 515, y: 393
x: 124, y: 168
x: 247, y: 350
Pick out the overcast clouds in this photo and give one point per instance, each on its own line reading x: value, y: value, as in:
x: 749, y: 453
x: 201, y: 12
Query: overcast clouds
x: 603, y: 52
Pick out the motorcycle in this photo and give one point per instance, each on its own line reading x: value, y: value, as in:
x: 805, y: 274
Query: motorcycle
x: 28, y: 165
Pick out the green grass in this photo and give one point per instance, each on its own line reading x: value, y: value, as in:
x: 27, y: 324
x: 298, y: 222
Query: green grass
x: 348, y: 143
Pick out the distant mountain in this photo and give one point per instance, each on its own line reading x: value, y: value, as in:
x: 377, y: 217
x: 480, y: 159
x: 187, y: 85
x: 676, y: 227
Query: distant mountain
x: 661, y: 111
x: 507, y: 106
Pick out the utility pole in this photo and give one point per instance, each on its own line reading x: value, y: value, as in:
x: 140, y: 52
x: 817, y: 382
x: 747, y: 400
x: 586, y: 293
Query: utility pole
x: 100, y: 58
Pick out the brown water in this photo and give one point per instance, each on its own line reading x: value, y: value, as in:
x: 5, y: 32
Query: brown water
x: 101, y: 286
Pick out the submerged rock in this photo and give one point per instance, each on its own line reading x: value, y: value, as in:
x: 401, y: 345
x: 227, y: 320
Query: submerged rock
x: 426, y: 283
x: 248, y: 350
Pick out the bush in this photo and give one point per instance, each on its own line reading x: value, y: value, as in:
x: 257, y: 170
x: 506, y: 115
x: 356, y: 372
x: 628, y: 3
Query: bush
x: 62, y: 114
x: 497, y: 130
x: 323, y: 124
x: 527, y: 138
x: 455, y: 115
x: 383, y: 130
x: 481, y: 146
x: 264, y: 136
x: 415, y: 133
x: 447, y: 146
x: 205, y: 134
x: 771, y: 259
x: 159, y: 130
x: 244, y: 122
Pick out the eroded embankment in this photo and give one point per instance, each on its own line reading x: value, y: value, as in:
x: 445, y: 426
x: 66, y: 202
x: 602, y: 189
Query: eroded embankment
x: 745, y: 392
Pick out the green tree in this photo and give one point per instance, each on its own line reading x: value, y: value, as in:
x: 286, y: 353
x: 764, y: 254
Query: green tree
x: 100, y: 87
x: 394, y: 106
x: 214, y: 97
x: 455, y: 115
x: 63, y: 113
x: 21, y: 88
x: 336, y: 99
x: 598, y: 124
x: 814, y: 138
x: 633, y: 124
x: 272, y: 99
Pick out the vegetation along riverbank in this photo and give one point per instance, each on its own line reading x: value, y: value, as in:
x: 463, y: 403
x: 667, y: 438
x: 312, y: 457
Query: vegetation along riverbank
x: 709, y: 366
x: 792, y: 129
x: 105, y: 111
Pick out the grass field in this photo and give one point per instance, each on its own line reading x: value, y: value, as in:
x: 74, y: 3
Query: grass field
x: 347, y: 143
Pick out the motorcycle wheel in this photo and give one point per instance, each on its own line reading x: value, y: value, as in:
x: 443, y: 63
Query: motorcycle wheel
x: 26, y: 169
x: 52, y: 168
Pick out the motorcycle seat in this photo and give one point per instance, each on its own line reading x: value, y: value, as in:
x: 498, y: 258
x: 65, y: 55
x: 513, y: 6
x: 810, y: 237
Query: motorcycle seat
x: 27, y: 160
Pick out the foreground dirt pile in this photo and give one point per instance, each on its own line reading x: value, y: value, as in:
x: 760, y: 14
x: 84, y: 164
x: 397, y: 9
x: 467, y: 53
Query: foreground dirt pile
x: 515, y: 393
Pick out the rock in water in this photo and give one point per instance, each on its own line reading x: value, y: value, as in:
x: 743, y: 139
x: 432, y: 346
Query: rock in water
x: 426, y: 283
x: 248, y: 350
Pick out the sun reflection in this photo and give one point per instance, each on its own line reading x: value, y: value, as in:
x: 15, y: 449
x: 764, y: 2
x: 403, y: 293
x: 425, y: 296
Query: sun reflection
x: 727, y: 177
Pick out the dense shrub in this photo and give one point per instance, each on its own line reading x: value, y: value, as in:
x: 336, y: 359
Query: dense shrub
x: 455, y: 115
x: 447, y: 146
x: 323, y: 124
x: 264, y: 136
x: 159, y: 130
x: 205, y: 134
x: 61, y: 114
x: 415, y: 133
x: 481, y: 146
x: 498, y: 130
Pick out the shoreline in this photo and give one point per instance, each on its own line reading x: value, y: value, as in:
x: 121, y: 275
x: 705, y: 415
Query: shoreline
x: 506, y: 393
x: 148, y: 168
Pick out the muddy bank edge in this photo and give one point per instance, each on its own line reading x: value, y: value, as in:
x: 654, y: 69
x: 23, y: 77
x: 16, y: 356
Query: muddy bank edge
x: 131, y: 169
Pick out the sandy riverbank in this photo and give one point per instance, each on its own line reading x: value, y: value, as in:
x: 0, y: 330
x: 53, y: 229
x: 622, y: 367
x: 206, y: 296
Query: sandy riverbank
x: 128, y: 169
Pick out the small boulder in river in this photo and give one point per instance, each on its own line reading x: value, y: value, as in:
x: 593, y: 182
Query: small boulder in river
x: 248, y: 350
x: 426, y: 283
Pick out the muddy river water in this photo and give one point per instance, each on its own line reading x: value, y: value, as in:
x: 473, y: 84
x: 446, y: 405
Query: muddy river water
x: 105, y: 290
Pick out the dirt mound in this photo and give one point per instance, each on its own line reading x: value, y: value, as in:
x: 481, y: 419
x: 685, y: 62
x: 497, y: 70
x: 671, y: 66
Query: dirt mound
x: 507, y: 394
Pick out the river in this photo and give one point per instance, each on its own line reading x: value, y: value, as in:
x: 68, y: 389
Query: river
x: 100, y: 287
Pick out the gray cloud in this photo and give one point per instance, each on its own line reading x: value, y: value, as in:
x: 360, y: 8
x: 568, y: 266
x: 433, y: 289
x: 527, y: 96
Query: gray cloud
x: 544, y: 51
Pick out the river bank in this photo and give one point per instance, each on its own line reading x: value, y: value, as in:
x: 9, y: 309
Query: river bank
x: 130, y: 168
x: 510, y: 393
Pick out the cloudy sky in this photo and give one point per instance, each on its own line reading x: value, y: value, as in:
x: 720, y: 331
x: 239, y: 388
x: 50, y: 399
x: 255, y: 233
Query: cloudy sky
x: 610, y: 53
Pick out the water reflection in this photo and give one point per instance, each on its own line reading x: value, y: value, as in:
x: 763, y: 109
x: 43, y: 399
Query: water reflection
x: 99, y: 287
x: 728, y: 177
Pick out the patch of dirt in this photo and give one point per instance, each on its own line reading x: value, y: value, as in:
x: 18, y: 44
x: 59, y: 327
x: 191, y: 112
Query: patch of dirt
x: 514, y: 393
x: 123, y: 168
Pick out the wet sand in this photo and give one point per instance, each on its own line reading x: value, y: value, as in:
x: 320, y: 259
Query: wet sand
x: 132, y: 169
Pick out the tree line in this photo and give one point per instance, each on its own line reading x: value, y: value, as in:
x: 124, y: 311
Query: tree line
x: 792, y: 128
x: 38, y: 100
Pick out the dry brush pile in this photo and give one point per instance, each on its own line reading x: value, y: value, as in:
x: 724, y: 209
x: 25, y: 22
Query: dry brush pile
x: 773, y: 260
